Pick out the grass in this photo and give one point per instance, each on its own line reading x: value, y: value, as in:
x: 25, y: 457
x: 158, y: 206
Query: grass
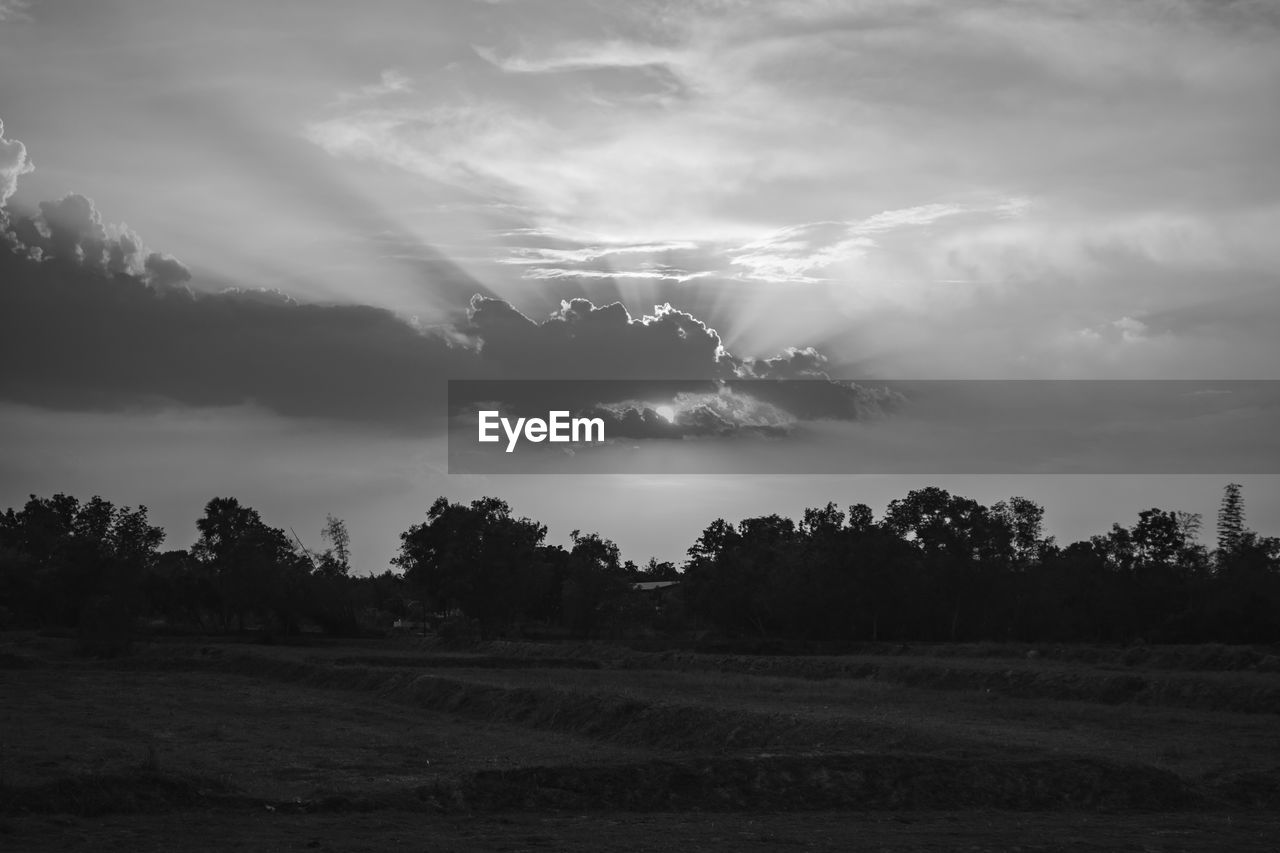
x: 405, y: 727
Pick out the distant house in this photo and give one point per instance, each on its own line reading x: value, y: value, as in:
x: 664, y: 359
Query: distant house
x: 650, y: 586
x: 657, y: 593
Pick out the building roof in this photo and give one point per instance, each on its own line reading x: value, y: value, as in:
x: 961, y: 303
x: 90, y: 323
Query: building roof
x: 648, y: 585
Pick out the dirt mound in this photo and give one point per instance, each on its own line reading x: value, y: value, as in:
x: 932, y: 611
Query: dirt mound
x: 603, y: 716
x: 1245, y: 692
x: 816, y: 783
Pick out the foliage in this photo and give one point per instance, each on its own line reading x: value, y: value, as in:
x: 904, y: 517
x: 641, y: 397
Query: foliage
x: 935, y: 567
x: 471, y: 557
x: 256, y: 569
x: 1230, y: 519
x: 57, y: 555
x: 336, y: 560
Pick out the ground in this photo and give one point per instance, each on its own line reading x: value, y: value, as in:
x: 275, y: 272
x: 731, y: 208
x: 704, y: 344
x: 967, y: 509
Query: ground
x: 403, y: 744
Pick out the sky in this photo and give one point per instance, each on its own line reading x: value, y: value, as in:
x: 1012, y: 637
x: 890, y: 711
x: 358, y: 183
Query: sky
x: 246, y: 245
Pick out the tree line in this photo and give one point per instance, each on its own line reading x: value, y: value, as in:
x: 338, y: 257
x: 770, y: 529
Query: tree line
x: 935, y: 567
x: 944, y: 567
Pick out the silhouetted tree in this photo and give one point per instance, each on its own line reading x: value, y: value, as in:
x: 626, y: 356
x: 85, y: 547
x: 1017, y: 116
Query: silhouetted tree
x: 256, y: 569
x: 336, y: 559
x: 1230, y: 520
x: 937, y: 566
x: 964, y: 547
x: 1025, y: 520
x: 472, y: 557
x: 57, y: 555
x: 596, y: 583
x: 656, y: 571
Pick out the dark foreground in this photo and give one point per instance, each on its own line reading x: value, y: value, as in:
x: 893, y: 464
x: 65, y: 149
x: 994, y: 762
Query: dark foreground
x: 406, y: 831
x: 406, y: 745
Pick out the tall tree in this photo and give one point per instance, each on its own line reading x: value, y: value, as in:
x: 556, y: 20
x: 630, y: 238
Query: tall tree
x: 336, y: 560
x: 1230, y: 520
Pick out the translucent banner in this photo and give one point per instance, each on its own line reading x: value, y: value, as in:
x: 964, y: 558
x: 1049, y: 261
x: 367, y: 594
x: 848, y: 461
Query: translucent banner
x: 818, y: 426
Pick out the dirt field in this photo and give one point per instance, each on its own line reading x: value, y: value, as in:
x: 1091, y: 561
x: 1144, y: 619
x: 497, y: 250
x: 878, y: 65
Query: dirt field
x: 407, y: 745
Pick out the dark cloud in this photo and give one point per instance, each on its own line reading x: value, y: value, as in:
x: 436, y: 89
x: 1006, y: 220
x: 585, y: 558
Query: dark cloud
x: 71, y: 232
x: 78, y: 331
x: 795, y: 363
x: 74, y: 229
x: 165, y: 270
x: 91, y: 320
x: 635, y: 422
x: 582, y: 341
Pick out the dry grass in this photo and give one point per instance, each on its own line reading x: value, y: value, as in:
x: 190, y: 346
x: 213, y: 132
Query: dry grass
x: 396, y: 726
x: 267, y: 739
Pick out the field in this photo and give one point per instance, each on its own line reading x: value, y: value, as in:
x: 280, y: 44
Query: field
x: 407, y: 744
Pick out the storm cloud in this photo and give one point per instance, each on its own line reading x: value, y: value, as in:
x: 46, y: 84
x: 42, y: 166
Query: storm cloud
x: 91, y: 320
x: 582, y: 341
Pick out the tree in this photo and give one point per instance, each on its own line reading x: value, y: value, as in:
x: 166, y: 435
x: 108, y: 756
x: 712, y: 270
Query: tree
x: 1025, y: 519
x: 472, y: 557
x: 67, y: 563
x: 336, y: 560
x: 1230, y: 520
x: 861, y: 518
x: 656, y: 571
x: 964, y: 547
x: 1247, y: 591
x: 824, y: 522
x: 256, y: 568
x: 226, y: 529
x: 1159, y: 537
x: 596, y: 582
x: 1189, y: 523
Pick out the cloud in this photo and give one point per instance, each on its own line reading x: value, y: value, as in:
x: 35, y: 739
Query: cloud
x: 791, y: 254
x: 966, y: 183
x: 582, y: 341
x: 390, y: 82
x: 720, y: 413
x: 539, y: 255
x: 806, y: 111
x: 677, y: 261
x: 89, y: 320
x: 614, y: 53
x: 71, y: 233
x: 14, y: 10
x: 75, y: 229
x: 79, y: 330
x: 665, y: 274
x: 13, y: 157
x: 166, y: 270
